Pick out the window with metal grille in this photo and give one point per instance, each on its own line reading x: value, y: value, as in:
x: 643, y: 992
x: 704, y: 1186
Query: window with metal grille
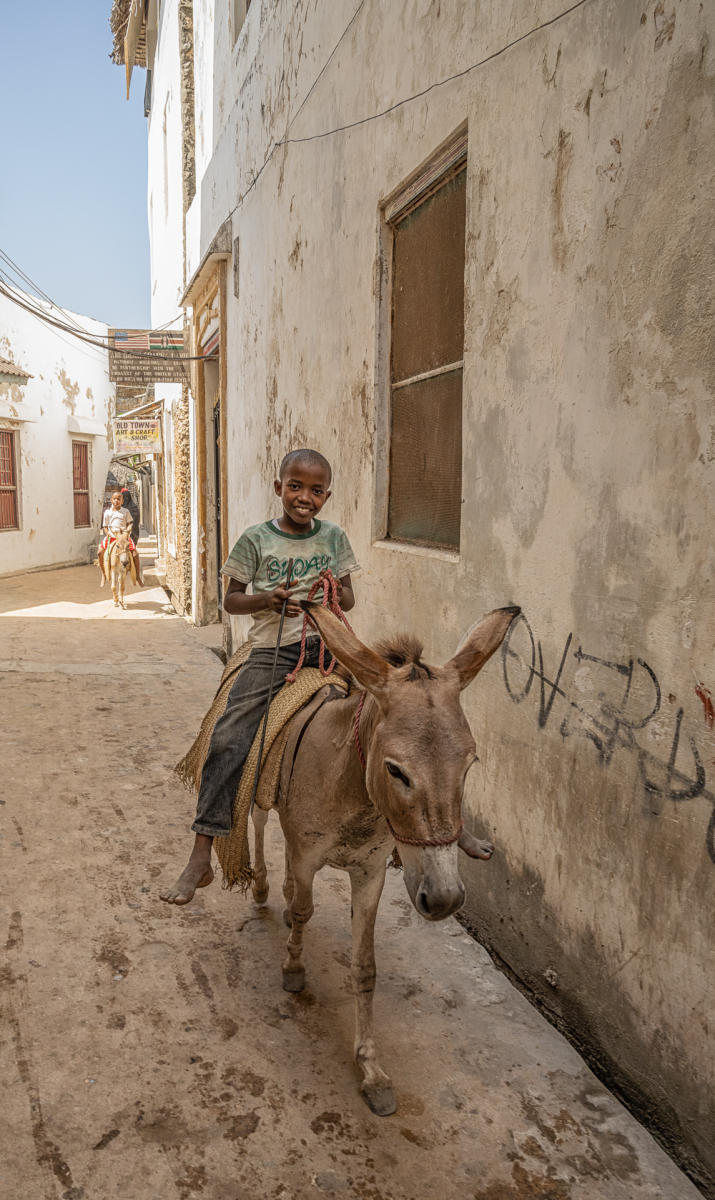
x: 426, y: 352
x: 80, y: 483
x: 9, y: 515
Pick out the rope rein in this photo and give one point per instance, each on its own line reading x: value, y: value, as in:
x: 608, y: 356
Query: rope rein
x: 329, y: 584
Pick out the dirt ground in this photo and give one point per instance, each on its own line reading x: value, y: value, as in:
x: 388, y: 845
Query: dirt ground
x: 149, y: 1052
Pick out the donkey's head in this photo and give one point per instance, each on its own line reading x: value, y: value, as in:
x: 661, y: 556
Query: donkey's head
x: 419, y: 748
x: 123, y: 547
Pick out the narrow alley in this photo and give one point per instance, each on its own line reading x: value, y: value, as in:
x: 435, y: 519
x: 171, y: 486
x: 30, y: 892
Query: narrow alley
x: 150, y: 1052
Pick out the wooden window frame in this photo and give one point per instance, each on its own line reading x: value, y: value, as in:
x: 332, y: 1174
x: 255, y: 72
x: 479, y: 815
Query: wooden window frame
x: 81, y: 491
x: 448, y: 161
x: 12, y: 489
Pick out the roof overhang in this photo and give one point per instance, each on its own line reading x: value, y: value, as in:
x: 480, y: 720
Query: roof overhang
x: 219, y: 251
x: 87, y: 426
x: 10, y: 372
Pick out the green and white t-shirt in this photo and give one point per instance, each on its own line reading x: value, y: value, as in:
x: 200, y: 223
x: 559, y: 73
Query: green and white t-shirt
x: 260, y: 557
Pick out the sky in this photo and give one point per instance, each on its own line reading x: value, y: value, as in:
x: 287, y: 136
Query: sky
x: 73, y: 173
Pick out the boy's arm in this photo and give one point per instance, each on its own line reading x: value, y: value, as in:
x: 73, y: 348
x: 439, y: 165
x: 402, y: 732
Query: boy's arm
x: 346, y: 595
x: 237, y: 602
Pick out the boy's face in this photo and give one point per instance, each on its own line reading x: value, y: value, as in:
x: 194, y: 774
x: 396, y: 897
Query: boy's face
x: 303, y: 491
x: 116, y: 499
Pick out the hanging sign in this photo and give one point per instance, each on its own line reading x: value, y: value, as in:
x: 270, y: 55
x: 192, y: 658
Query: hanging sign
x: 132, y: 436
x: 144, y: 356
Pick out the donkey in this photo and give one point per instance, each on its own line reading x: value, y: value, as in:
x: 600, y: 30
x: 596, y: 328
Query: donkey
x: 374, y: 770
x: 118, y: 561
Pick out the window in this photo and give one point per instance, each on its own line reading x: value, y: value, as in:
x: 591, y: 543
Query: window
x: 239, y: 12
x: 80, y: 484
x: 427, y: 225
x: 8, y: 481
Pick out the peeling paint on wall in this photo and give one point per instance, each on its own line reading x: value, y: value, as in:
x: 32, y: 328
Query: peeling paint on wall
x: 71, y: 390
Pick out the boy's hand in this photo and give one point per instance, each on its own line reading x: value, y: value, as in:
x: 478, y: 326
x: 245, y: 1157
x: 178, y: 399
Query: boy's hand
x: 282, y: 593
x: 339, y: 582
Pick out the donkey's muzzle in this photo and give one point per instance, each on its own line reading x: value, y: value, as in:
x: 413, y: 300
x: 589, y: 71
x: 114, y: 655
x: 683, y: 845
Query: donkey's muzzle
x: 434, y: 904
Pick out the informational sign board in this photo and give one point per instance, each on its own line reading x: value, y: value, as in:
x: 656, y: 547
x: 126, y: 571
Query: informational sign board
x: 144, y: 356
x: 132, y: 436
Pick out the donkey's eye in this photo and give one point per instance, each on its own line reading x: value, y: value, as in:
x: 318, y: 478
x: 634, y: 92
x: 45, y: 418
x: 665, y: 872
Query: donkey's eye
x: 396, y: 773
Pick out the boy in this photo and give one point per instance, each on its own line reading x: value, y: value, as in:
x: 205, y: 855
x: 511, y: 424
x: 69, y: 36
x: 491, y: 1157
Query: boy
x: 260, y: 558
x: 114, y: 519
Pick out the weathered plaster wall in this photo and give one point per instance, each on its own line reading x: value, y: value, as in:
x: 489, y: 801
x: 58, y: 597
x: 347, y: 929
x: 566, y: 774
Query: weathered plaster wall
x: 165, y: 190
x: 588, y: 448
x: 69, y: 398
x: 171, y: 186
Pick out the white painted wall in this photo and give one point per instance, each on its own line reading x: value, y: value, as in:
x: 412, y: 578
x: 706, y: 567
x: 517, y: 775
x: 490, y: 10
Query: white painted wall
x: 165, y: 204
x: 68, y: 398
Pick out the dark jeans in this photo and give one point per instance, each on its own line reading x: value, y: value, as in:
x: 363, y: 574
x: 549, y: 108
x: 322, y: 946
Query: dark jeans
x: 234, y: 732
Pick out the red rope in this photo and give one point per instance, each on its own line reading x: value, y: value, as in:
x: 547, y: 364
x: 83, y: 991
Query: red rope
x: 329, y: 584
x: 406, y: 841
x: 356, y: 732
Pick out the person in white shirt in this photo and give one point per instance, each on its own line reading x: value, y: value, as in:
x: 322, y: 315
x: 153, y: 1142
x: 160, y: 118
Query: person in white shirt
x: 115, y: 519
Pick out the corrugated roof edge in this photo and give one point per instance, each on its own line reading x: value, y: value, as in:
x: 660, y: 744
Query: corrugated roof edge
x: 8, y: 367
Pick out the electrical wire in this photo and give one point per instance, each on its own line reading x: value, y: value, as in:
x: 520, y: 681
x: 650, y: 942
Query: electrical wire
x: 440, y: 82
x: 102, y: 341
x: 36, y: 288
x: 287, y: 141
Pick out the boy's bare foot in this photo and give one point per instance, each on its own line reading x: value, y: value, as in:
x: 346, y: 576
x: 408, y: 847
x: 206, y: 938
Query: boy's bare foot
x: 196, y: 874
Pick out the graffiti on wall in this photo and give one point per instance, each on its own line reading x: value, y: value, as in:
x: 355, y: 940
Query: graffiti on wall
x: 617, y: 706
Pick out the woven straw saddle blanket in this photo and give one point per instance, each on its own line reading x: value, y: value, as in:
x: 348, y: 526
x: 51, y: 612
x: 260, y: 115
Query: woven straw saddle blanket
x: 310, y: 689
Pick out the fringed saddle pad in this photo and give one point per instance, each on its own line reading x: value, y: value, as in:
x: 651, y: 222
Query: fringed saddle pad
x: 233, y: 851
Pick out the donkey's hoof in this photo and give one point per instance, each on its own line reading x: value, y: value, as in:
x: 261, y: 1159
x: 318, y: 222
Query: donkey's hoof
x: 294, y: 981
x: 260, y: 895
x: 379, y: 1098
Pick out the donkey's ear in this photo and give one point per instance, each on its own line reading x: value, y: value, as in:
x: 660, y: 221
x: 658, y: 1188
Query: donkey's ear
x: 369, y: 668
x: 480, y: 644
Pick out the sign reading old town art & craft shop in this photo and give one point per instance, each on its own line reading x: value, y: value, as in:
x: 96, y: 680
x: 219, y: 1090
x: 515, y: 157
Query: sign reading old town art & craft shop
x: 136, y: 435
x: 144, y: 356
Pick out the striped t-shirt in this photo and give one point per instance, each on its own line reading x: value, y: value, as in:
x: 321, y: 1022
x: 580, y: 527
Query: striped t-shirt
x: 260, y: 557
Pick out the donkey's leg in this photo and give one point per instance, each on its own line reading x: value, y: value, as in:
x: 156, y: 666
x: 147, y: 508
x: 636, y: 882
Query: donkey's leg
x: 366, y: 888
x: 299, y: 912
x: 259, y: 887
x: 288, y: 886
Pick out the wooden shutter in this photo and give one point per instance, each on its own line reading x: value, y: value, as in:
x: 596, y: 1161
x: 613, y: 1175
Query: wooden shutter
x: 427, y: 349
x: 8, y: 481
x: 80, y: 483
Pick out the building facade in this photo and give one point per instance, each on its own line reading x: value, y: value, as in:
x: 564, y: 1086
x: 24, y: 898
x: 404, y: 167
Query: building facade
x: 475, y: 272
x: 55, y: 440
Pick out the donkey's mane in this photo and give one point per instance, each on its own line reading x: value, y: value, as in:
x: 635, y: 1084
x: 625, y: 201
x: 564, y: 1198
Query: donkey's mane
x: 405, y: 650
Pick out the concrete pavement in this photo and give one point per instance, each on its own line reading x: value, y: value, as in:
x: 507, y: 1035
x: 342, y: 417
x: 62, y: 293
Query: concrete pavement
x: 149, y: 1052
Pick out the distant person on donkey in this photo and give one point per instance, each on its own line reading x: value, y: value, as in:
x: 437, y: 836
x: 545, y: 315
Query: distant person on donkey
x: 114, y: 520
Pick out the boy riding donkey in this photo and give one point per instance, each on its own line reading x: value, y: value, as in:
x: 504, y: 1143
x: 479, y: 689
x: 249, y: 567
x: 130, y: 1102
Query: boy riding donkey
x: 259, y: 558
x: 115, y: 519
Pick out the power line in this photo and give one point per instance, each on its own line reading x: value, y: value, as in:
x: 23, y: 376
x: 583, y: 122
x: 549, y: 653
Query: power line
x: 286, y: 141
x: 101, y: 341
x: 36, y: 288
x: 440, y: 83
